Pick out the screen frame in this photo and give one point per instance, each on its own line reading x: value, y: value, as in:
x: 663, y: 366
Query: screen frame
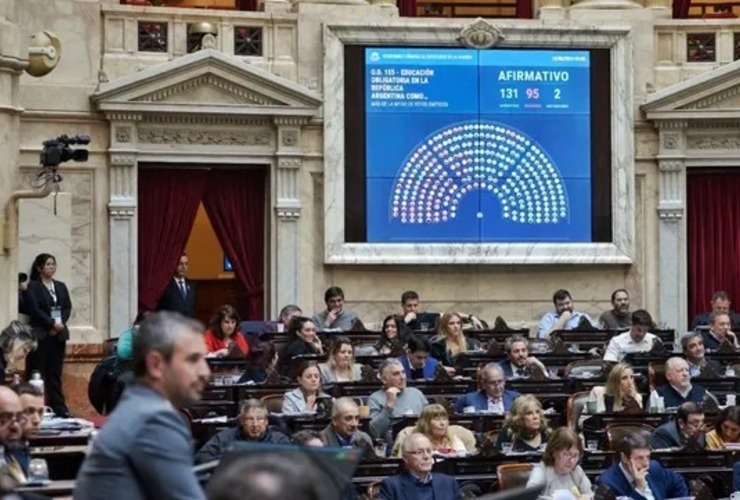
x: 338, y: 250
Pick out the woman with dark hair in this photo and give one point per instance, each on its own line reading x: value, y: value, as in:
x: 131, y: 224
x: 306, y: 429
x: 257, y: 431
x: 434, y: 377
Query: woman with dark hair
x: 49, y: 324
x: 341, y: 366
x: 304, y: 342
x: 260, y: 362
x: 525, y: 428
x: 726, y: 429
x: 223, y: 337
x: 16, y: 342
x: 393, y: 335
x: 306, y: 397
x: 559, y: 469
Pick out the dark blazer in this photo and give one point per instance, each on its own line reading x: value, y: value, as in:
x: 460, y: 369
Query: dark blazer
x: 479, y: 400
x: 668, y: 436
x: 143, y: 452
x: 40, y: 317
x: 663, y: 483
x: 508, y: 373
x: 172, y: 299
x: 440, y: 353
x: 404, y: 486
x: 428, y: 371
x: 703, y: 320
x: 297, y: 347
x: 673, y: 399
x: 218, y: 444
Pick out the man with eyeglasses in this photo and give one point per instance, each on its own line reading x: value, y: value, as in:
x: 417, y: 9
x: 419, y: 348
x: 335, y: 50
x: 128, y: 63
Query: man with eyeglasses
x: 493, y: 396
x: 679, y: 388
x: 32, y: 400
x: 15, y: 453
x: 688, y: 426
x: 343, y: 431
x: 418, y: 482
x: 253, y: 426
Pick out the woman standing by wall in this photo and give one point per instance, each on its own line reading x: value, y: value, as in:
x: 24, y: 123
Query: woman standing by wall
x: 49, y: 324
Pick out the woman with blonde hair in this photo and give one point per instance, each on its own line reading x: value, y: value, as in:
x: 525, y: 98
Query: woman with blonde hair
x: 341, y: 366
x: 525, y: 427
x: 450, y: 340
x: 559, y: 469
x: 434, y: 423
x: 618, y: 391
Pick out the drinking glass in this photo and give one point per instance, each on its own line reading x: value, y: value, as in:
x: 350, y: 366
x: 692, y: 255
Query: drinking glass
x: 38, y: 470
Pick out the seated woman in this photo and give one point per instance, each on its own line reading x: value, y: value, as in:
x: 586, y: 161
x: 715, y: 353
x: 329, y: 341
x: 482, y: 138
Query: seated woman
x: 341, y: 366
x: 726, y: 429
x: 223, y: 338
x: 16, y: 342
x: 450, y: 341
x: 303, y: 342
x: 525, y: 427
x: 305, y: 398
x: 559, y: 469
x: 619, y: 389
x: 393, y: 336
x: 260, y: 362
x: 434, y: 423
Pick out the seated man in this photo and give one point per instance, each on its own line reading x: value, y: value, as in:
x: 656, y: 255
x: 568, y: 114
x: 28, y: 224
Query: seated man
x: 252, y: 426
x: 343, y: 430
x: 418, y: 482
x: 692, y: 346
x: 679, y: 389
x: 417, y: 363
x: 335, y: 317
x: 636, y: 476
x: 688, y: 425
x: 15, y: 454
x: 394, y: 400
x: 720, y: 305
x: 637, y: 339
x: 562, y: 318
x: 494, y: 396
x: 518, y: 362
x: 719, y: 330
x: 32, y: 400
x: 619, y: 315
x: 414, y: 319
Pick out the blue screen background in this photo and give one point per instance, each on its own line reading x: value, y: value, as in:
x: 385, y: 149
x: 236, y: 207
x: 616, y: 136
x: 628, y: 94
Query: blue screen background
x: 527, y: 146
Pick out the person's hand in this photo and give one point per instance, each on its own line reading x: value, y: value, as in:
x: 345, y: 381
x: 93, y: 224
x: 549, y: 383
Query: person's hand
x: 391, y: 394
x: 332, y: 317
x: 221, y: 352
x: 409, y: 317
x: 311, y: 402
x: 639, y: 474
x: 58, y: 326
x: 566, y: 315
x: 450, y: 370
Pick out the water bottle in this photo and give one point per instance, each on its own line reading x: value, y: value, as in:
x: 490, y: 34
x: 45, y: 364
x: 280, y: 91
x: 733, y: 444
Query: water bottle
x: 730, y: 371
x: 37, y: 381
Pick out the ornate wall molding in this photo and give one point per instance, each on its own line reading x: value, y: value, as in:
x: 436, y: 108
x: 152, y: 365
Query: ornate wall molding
x: 122, y: 134
x: 254, y: 137
x: 122, y: 159
x: 288, y: 214
x: 290, y: 121
x: 671, y: 140
x: 289, y: 163
x: 670, y: 214
x: 210, y: 80
x: 123, y: 116
x: 289, y: 138
x: 716, y: 141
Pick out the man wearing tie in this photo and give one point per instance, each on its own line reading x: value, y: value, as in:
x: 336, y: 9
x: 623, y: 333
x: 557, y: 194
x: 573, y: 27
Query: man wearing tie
x: 180, y: 294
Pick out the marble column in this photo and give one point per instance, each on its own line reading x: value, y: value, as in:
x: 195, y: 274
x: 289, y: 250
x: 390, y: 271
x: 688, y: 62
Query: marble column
x: 672, y: 226
x: 287, y: 205
x: 13, y: 59
x: 122, y: 222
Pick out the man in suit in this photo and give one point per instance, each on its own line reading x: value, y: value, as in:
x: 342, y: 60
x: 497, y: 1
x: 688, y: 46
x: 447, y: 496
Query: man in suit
x: 15, y: 453
x: 687, y: 426
x: 679, y: 388
x: 145, y: 448
x: 343, y: 431
x: 494, y: 396
x: 180, y: 295
x: 518, y: 362
x: 692, y: 345
x: 720, y: 329
x: 720, y: 305
x: 417, y: 363
x: 636, y: 476
x: 418, y: 482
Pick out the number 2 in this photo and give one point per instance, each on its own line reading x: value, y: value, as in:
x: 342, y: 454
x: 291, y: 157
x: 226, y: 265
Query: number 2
x: 557, y: 93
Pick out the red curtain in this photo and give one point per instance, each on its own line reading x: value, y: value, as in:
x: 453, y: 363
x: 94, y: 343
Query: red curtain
x: 235, y: 204
x: 524, y: 9
x: 168, y: 201
x: 407, y: 8
x: 681, y: 9
x: 713, y: 224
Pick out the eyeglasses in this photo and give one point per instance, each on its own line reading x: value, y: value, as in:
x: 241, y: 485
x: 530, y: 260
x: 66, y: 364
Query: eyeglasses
x: 496, y: 382
x: 7, y: 418
x: 420, y: 452
x: 567, y: 455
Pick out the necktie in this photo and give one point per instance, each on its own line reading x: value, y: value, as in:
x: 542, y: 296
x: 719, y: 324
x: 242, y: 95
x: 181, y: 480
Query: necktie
x: 520, y: 372
x: 183, y: 289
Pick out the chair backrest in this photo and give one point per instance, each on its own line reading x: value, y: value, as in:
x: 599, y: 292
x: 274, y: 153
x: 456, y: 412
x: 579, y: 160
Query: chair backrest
x: 513, y: 475
x: 273, y: 402
x: 574, y: 410
x: 616, y: 431
x: 540, y: 346
x: 585, y: 368
x: 466, y: 436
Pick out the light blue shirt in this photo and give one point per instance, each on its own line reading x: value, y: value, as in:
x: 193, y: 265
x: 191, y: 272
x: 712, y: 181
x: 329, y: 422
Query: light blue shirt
x: 549, y: 319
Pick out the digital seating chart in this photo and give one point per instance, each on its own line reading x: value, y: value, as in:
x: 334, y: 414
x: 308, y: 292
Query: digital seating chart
x: 477, y: 145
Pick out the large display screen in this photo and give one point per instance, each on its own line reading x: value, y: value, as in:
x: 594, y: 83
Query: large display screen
x: 477, y: 146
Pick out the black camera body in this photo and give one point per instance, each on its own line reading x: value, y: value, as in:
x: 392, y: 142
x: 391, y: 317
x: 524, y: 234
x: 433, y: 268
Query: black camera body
x: 58, y: 150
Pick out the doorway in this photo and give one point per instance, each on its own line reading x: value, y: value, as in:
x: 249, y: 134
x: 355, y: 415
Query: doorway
x: 713, y: 235
x: 215, y: 215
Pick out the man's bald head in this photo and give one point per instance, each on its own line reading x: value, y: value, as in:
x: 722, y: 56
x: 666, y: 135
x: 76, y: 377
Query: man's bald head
x: 11, y: 418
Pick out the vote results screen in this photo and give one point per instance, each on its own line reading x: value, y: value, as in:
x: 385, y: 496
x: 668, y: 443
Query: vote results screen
x: 477, y: 145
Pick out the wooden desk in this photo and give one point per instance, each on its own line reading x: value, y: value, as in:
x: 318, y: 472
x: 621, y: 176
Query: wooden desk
x: 64, y: 461
x: 61, y: 439
x: 55, y: 489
